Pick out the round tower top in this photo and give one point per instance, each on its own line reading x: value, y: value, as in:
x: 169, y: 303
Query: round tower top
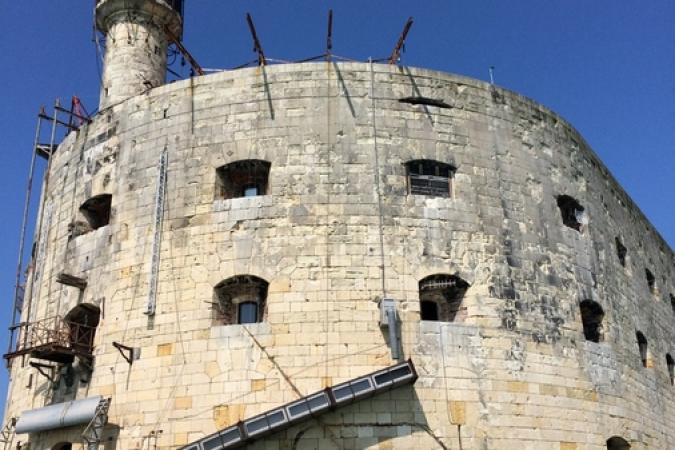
x: 168, y: 13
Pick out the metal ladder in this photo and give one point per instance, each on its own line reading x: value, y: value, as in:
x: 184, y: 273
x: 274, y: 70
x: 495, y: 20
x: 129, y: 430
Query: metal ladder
x: 93, y: 433
x: 157, y: 233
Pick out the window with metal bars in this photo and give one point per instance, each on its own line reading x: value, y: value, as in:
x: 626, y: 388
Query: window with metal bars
x: 429, y: 177
x: 441, y: 298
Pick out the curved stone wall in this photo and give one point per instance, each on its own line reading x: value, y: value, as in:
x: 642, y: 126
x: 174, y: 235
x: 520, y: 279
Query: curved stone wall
x: 335, y: 231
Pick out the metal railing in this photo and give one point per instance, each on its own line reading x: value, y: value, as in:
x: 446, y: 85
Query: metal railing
x: 53, y: 334
x: 176, y: 5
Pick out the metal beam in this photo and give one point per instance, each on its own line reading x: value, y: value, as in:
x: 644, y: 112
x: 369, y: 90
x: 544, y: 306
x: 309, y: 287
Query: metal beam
x: 186, y: 54
x: 396, y: 54
x: 329, y: 37
x: 256, y: 42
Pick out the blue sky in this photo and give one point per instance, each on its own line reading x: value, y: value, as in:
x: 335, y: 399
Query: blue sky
x: 608, y: 67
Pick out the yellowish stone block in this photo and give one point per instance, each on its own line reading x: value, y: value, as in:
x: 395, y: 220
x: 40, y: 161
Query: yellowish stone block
x: 164, y: 349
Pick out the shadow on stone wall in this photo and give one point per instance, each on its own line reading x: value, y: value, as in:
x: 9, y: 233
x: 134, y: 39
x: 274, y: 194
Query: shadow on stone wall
x: 390, y: 420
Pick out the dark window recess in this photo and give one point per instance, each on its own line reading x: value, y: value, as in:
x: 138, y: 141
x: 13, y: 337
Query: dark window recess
x: 82, y: 321
x: 591, y: 317
x: 239, y: 299
x: 671, y: 368
x: 642, y: 347
x: 245, y: 178
x: 621, y: 252
x: 416, y: 100
x: 651, y: 280
x: 441, y: 298
x: 617, y: 443
x: 63, y: 446
x: 672, y: 302
x: 572, y: 212
x: 428, y: 310
x: 428, y: 177
x: 96, y: 211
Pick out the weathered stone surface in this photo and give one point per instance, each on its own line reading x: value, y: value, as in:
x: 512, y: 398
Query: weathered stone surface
x: 516, y: 372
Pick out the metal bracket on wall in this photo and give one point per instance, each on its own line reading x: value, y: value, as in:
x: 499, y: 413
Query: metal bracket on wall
x: 43, y: 368
x: 130, y: 354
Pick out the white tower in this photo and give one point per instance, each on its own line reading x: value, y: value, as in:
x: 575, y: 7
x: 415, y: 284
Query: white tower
x: 137, y: 37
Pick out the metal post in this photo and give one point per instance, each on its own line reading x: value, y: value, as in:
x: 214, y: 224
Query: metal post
x: 329, y: 38
x: 18, y: 303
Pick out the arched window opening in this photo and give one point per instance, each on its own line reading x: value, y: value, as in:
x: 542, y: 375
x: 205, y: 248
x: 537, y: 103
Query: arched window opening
x: 672, y: 302
x: 63, y: 446
x: 617, y: 443
x: 671, y: 368
x: 95, y: 212
x: 651, y: 281
x: 591, y: 317
x: 246, y: 178
x: 573, y: 214
x: 441, y: 298
x: 82, y: 321
x: 239, y: 300
x: 642, y: 347
x: 621, y: 251
x: 429, y: 177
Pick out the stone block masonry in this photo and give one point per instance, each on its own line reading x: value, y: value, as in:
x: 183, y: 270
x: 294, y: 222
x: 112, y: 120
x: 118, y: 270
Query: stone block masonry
x: 513, y: 369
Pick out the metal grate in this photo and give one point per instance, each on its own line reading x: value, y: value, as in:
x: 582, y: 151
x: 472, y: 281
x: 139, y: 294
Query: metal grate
x: 430, y: 185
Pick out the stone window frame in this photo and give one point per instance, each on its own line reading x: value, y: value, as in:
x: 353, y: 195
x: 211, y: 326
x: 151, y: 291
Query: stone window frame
x: 617, y: 443
x: 95, y: 213
x: 235, y: 178
x: 573, y: 214
x: 643, y: 348
x: 421, y: 181
x: 234, y: 291
x: 448, y: 293
x: 621, y: 251
x: 651, y: 281
x: 592, y: 319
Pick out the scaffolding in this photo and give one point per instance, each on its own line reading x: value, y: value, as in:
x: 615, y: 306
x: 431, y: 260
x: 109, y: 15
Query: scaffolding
x: 76, y: 116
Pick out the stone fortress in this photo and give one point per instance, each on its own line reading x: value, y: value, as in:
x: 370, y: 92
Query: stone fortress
x: 247, y: 242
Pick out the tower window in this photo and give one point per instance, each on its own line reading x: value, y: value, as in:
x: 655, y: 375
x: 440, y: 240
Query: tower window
x: 247, y: 312
x: 572, y: 213
x: 441, y: 298
x: 617, y: 443
x: 96, y: 212
x: 651, y: 281
x: 591, y: 317
x: 672, y: 302
x: 671, y: 368
x: 428, y: 177
x: 428, y: 310
x: 621, y: 251
x: 239, y: 300
x: 82, y: 321
x: 642, y: 347
x: 246, y: 178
